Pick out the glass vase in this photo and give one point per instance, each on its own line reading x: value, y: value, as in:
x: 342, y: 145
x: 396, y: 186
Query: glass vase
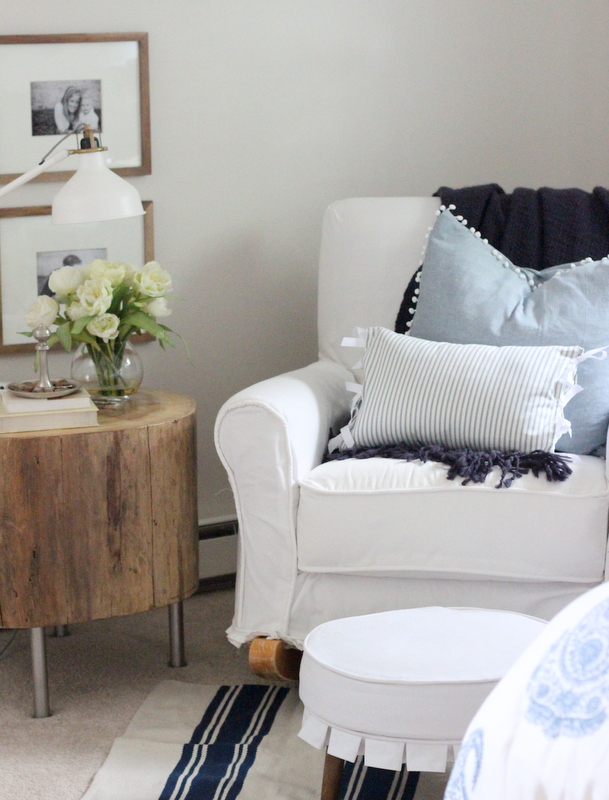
x: 110, y: 374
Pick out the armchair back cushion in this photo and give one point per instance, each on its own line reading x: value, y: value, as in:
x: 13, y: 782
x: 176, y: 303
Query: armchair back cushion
x: 370, y: 249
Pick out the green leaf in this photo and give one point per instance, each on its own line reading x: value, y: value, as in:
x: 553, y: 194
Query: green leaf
x: 139, y: 319
x: 80, y: 324
x: 85, y: 336
x: 53, y: 339
x: 26, y: 333
x: 186, y: 347
x: 125, y: 331
x: 64, y: 335
x: 119, y: 294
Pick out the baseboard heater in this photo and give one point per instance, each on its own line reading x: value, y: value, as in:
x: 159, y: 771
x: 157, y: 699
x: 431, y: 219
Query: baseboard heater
x: 217, y: 555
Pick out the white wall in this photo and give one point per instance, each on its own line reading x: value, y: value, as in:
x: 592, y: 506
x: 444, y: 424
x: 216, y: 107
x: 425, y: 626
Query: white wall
x: 264, y: 112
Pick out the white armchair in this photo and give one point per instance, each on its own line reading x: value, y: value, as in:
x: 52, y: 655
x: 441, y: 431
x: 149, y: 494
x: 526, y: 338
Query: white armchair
x: 323, y: 541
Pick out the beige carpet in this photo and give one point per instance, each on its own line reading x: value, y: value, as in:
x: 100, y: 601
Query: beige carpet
x: 98, y: 678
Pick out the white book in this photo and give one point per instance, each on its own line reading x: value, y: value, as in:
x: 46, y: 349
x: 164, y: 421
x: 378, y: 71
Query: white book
x: 20, y: 405
x: 48, y: 420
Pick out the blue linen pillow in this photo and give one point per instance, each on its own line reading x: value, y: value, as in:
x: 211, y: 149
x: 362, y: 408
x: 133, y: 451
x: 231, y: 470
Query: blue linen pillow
x: 470, y: 293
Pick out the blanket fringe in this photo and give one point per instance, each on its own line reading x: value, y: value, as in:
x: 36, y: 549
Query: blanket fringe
x: 474, y: 466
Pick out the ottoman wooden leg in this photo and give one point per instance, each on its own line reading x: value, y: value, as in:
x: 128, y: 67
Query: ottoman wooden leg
x: 272, y: 658
x: 333, y: 772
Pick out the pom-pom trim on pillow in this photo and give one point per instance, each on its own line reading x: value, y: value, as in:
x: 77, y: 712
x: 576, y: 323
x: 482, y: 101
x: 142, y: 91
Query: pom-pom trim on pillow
x: 470, y: 292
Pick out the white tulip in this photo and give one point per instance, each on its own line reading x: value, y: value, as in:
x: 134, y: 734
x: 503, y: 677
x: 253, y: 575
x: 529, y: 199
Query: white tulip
x: 157, y: 307
x: 152, y: 281
x: 43, y: 311
x: 129, y: 273
x: 65, y: 281
x: 95, y: 295
x: 115, y: 271
x: 75, y: 311
x: 105, y: 326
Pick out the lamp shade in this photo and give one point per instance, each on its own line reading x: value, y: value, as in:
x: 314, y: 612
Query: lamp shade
x: 94, y: 193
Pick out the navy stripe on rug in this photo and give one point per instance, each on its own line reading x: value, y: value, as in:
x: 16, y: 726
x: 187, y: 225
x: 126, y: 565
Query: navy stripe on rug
x: 368, y: 783
x: 223, y: 746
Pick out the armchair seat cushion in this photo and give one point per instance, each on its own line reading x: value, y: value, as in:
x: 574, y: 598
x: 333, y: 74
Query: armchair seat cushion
x: 374, y: 517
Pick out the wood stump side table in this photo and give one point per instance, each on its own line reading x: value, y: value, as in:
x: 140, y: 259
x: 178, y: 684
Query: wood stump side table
x: 99, y: 522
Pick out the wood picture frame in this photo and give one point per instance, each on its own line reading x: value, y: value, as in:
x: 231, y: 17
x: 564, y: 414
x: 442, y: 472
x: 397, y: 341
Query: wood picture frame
x: 109, y: 72
x: 31, y: 247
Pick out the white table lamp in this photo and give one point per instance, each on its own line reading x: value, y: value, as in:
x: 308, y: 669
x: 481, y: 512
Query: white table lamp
x: 93, y: 194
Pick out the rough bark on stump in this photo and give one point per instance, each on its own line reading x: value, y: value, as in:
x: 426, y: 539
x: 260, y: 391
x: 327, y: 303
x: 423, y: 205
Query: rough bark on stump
x: 99, y: 522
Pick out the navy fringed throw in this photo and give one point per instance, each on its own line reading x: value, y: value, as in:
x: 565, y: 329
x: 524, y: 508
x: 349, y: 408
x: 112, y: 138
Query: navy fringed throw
x: 472, y: 465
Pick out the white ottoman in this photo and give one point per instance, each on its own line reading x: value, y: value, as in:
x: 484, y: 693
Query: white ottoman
x: 401, y: 687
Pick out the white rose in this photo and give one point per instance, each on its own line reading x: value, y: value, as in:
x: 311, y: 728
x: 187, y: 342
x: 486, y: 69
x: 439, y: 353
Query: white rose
x: 152, y: 281
x: 115, y: 271
x: 65, y: 280
x: 75, y: 311
x: 95, y: 295
x: 43, y: 311
x: 105, y: 326
x: 157, y: 307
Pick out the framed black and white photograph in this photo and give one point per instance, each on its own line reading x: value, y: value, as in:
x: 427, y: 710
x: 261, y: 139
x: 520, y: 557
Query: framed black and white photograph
x: 48, y: 261
x: 31, y: 248
x: 65, y: 106
x: 53, y: 85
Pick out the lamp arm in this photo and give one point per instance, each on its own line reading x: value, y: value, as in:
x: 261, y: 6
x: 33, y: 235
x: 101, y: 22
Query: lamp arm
x: 32, y: 173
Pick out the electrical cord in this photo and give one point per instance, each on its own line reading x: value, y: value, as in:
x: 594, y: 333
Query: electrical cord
x: 78, y: 129
x: 9, y: 643
x: 63, y: 138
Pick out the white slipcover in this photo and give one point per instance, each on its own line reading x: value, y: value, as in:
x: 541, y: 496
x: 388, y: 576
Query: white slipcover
x: 402, y: 686
x: 380, y: 512
x: 322, y: 542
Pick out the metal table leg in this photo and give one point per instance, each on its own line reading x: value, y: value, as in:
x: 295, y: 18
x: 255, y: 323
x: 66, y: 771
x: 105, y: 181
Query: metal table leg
x: 39, y: 672
x: 177, y: 657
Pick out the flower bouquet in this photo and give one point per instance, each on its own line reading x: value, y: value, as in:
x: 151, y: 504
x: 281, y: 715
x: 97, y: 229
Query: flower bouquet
x: 100, y: 306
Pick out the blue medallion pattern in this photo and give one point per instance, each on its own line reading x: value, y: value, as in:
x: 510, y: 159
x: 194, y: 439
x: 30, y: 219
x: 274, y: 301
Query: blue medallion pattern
x: 464, y: 775
x: 569, y: 690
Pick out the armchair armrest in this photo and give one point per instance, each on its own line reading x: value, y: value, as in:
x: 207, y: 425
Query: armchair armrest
x: 268, y: 437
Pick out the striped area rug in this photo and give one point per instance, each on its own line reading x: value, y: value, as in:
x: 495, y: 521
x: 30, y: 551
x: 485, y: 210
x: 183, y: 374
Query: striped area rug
x: 190, y: 742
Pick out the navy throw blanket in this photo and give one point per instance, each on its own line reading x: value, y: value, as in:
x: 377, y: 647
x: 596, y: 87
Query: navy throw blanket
x: 472, y: 465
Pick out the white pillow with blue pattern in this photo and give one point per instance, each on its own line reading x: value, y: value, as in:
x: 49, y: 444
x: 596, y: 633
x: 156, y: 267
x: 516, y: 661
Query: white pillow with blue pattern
x: 543, y: 732
x: 460, y: 396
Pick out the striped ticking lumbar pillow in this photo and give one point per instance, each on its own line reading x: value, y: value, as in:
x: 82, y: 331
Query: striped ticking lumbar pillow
x: 460, y: 396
